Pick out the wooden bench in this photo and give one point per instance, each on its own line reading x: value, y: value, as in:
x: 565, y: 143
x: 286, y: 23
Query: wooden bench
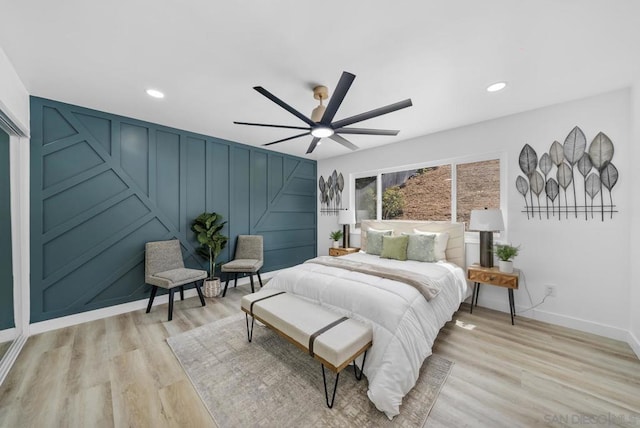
x: 333, y: 340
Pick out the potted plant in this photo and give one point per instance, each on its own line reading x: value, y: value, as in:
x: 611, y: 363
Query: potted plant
x: 506, y: 253
x: 336, y: 235
x: 207, y: 227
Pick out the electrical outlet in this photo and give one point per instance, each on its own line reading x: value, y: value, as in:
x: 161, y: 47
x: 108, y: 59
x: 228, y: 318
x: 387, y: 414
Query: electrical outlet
x: 550, y: 290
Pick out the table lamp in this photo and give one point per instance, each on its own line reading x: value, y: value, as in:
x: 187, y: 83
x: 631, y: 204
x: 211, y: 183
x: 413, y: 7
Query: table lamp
x: 486, y: 222
x: 346, y: 218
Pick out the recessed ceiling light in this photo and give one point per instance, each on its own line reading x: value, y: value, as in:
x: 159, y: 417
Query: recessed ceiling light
x: 498, y: 86
x: 155, y: 93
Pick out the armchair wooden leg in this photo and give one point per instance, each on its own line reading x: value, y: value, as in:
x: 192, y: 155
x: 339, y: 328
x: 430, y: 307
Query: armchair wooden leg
x: 235, y: 280
x: 154, y: 290
x: 199, y: 290
x: 171, y: 291
x: 182, y: 292
x: 251, y: 279
x: 259, y: 279
x: 226, y: 284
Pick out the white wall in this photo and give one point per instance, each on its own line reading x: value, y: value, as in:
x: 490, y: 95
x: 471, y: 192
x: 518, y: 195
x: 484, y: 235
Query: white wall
x: 14, y: 98
x: 634, y: 248
x: 584, y: 259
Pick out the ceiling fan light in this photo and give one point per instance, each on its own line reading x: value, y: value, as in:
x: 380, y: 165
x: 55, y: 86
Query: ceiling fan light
x: 322, y: 132
x: 317, y: 113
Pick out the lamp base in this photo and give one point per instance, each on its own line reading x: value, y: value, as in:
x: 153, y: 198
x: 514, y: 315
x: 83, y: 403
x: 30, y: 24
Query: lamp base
x: 345, y: 236
x: 486, y: 249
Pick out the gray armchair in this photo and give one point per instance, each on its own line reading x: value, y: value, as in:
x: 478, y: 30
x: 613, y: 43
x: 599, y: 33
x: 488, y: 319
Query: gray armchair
x: 164, y: 268
x: 248, y: 259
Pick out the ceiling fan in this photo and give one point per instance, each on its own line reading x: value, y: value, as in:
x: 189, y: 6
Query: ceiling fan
x: 320, y: 124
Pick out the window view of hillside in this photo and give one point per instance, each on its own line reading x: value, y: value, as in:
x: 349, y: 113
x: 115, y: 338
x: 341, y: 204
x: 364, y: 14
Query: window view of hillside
x: 426, y: 193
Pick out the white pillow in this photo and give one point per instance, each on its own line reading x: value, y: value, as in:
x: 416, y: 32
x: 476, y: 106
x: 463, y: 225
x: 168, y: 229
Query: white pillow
x: 442, y: 238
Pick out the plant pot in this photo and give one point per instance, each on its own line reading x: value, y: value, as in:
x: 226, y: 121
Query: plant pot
x: 336, y: 244
x: 505, y: 266
x: 211, y: 287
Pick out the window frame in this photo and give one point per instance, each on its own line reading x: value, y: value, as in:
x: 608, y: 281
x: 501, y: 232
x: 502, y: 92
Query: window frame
x: 469, y: 237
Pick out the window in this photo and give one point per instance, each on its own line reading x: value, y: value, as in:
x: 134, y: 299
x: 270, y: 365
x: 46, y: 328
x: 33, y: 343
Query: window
x: 477, y: 186
x: 365, y: 199
x: 417, y: 194
x: 438, y: 192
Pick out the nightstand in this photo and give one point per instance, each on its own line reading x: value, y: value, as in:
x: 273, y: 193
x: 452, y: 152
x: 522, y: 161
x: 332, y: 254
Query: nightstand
x: 336, y: 252
x: 493, y: 276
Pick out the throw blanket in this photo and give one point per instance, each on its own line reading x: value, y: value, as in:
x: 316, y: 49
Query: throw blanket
x: 420, y: 282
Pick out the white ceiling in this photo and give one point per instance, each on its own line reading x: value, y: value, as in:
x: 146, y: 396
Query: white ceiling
x: 207, y: 55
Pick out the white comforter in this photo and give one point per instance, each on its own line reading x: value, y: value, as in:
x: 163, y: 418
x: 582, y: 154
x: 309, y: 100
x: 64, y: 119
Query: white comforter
x: 404, y: 324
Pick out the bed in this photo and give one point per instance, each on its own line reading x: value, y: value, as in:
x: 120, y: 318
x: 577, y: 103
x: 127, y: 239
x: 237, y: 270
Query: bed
x: 404, y: 323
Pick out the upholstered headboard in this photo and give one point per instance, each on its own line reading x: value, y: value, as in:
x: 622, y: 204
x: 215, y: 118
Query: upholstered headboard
x: 455, y: 246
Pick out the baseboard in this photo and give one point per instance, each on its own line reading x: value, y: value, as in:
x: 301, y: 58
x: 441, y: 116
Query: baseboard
x: 8, y: 334
x: 70, y: 320
x: 561, y: 320
x: 11, y: 356
x: 633, y: 341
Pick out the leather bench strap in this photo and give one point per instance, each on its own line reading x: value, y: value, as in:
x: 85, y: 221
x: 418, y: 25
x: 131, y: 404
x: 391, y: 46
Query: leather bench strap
x: 262, y: 298
x: 312, y: 338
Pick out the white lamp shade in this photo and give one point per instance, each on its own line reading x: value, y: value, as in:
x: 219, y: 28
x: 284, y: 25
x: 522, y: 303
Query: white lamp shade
x: 486, y: 221
x: 346, y: 217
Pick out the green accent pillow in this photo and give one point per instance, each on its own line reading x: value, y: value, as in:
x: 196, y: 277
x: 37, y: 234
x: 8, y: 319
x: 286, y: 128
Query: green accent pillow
x: 374, y: 240
x: 421, y: 248
x: 395, y: 247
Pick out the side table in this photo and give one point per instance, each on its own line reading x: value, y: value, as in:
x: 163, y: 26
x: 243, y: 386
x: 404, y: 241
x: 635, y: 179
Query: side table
x: 493, y: 276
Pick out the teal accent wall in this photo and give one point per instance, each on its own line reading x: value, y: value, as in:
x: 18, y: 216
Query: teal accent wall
x: 102, y: 185
x: 6, y: 268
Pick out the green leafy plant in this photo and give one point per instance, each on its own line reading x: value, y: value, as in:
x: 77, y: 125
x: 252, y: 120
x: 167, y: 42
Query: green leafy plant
x: 207, y: 227
x: 392, y: 203
x: 336, y: 235
x: 506, y: 252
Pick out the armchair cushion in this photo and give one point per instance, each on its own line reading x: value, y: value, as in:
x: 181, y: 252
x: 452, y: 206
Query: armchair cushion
x: 175, y: 277
x: 242, y: 265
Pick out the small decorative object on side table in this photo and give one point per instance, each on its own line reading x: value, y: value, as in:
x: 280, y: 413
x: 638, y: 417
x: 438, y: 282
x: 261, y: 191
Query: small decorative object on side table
x: 335, y: 252
x: 493, y: 276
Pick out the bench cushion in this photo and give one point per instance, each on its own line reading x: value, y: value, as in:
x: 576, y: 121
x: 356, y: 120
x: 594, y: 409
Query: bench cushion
x: 298, y: 319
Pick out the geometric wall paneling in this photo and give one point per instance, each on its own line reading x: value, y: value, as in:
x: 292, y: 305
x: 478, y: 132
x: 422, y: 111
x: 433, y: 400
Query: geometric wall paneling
x: 103, y: 185
x: 572, y: 179
x: 6, y: 267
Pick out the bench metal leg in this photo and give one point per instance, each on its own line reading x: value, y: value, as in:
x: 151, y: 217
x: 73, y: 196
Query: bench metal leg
x: 355, y: 367
x: 335, y: 387
x: 249, y: 330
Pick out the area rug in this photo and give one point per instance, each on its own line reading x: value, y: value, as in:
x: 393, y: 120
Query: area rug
x: 271, y: 383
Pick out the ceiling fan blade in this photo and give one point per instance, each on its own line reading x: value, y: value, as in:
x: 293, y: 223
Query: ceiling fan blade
x: 338, y: 96
x: 270, y: 126
x: 367, y: 131
x: 284, y: 105
x: 287, y: 139
x: 371, y: 114
x: 313, y: 145
x: 348, y: 144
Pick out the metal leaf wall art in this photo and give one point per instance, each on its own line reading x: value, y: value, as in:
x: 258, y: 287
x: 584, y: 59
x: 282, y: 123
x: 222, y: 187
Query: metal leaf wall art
x: 597, y: 173
x: 331, y: 193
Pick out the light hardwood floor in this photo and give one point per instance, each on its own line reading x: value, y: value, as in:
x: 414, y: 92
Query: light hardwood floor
x: 119, y: 371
